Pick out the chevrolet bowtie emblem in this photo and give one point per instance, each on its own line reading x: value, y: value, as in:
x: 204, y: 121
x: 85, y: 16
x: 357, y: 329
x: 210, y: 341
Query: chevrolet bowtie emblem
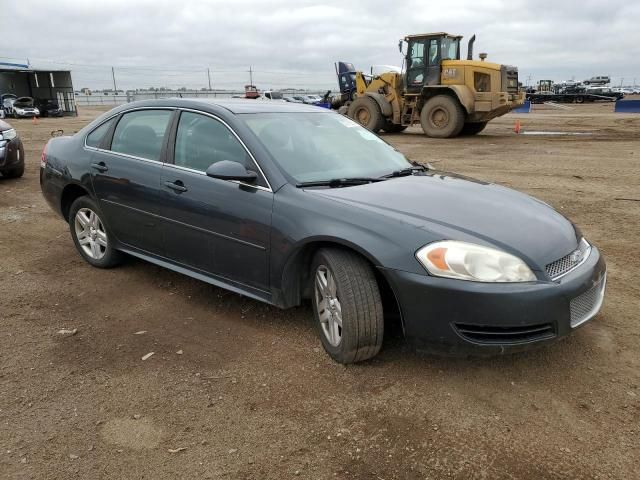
x: 576, y: 256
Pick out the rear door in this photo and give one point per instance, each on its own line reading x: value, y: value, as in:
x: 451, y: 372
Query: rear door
x: 125, y: 172
x: 217, y: 226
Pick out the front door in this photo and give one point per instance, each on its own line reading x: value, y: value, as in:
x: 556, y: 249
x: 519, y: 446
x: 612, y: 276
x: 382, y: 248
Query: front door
x: 216, y: 226
x: 423, y: 63
x: 126, y: 173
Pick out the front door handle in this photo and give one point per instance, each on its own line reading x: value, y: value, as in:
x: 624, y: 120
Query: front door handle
x: 101, y: 167
x: 176, y: 186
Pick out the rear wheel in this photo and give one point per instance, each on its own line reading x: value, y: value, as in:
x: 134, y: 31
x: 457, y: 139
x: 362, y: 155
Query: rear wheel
x: 347, y: 305
x: 366, y: 111
x: 90, y: 235
x: 473, y: 128
x: 390, y: 127
x: 442, y: 117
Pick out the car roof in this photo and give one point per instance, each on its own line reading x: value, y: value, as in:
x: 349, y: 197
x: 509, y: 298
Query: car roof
x: 233, y: 105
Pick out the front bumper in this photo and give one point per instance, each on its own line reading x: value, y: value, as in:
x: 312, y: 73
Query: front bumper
x: 26, y: 114
x: 458, y: 317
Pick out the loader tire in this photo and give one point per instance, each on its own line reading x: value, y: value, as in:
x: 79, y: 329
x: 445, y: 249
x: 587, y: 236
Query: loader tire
x: 472, y: 128
x: 366, y: 111
x: 442, y: 116
x: 390, y: 127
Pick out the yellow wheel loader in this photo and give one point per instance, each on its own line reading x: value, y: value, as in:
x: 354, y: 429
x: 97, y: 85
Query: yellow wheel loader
x: 445, y: 95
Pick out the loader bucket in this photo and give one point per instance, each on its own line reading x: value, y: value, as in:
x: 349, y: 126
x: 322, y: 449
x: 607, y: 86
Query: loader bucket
x: 627, y: 106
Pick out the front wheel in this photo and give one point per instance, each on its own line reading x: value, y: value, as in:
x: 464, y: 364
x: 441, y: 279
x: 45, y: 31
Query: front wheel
x: 442, y: 116
x: 366, y: 111
x: 347, y: 305
x: 90, y: 235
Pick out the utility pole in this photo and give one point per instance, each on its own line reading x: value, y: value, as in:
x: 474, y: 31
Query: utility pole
x: 209, y: 77
x: 113, y: 74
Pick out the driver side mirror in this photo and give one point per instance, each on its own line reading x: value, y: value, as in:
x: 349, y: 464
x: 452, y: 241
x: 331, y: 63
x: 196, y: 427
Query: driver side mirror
x: 228, y: 170
x: 400, y: 45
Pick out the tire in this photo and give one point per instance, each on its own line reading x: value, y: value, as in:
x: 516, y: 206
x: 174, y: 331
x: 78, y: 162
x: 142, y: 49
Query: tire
x: 15, y: 172
x: 351, y: 329
x: 473, y: 128
x: 393, y: 127
x: 442, y: 116
x: 366, y: 111
x: 579, y: 99
x: 97, y: 247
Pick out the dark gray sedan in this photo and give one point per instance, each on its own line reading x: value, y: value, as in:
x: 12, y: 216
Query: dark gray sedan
x: 11, y: 152
x: 282, y: 202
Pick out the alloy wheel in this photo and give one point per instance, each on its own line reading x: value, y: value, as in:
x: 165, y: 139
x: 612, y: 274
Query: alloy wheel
x: 91, y: 233
x: 328, y: 305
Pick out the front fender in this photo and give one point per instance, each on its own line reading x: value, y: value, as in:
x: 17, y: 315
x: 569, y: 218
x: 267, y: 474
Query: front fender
x: 384, y: 104
x: 300, y: 226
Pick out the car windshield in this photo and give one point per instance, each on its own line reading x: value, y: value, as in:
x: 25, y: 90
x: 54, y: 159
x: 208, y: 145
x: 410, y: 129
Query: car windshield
x: 314, y: 147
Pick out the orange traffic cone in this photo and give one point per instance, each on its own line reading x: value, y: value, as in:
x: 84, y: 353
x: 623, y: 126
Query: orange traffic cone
x: 516, y: 127
x: 34, y: 120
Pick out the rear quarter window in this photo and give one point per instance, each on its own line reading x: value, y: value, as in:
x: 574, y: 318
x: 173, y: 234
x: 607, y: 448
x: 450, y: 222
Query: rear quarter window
x: 94, y: 139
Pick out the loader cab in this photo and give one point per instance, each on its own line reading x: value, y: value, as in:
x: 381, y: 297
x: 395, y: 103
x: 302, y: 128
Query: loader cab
x: 423, y: 56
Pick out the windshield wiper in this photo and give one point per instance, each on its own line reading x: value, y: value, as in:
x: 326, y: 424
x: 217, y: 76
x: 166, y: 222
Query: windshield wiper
x: 340, y: 182
x: 405, y: 171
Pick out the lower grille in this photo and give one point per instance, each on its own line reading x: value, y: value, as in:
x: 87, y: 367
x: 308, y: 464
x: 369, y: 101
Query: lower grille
x: 510, y: 79
x: 586, y: 305
x: 505, y: 335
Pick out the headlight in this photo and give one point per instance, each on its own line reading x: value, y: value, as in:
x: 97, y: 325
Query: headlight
x: 467, y: 261
x: 36, y: 111
x: 8, y: 134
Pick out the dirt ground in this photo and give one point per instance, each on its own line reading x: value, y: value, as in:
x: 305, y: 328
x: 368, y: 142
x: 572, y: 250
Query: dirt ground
x: 252, y: 395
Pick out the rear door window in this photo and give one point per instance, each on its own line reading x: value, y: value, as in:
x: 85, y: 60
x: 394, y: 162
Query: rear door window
x: 141, y: 133
x: 94, y: 139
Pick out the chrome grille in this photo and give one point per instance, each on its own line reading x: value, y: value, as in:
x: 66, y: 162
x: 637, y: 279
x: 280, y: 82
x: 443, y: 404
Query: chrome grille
x: 567, y: 263
x: 509, y: 79
x: 587, y: 304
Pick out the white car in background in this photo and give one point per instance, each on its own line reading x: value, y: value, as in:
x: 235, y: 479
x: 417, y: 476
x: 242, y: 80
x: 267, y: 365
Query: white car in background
x: 311, y: 99
x: 272, y: 95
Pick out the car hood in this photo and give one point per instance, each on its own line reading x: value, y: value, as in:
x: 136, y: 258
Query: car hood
x: 4, y: 126
x: 24, y: 102
x: 459, y: 208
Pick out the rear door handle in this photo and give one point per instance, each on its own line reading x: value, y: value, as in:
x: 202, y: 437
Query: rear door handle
x: 101, y: 167
x: 176, y: 186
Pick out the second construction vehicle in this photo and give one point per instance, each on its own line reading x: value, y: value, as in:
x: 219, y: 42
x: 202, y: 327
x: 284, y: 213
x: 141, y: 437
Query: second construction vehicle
x: 447, y: 96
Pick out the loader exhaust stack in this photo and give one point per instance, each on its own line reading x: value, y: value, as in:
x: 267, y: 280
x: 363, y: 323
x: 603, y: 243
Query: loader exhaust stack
x: 470, y: 48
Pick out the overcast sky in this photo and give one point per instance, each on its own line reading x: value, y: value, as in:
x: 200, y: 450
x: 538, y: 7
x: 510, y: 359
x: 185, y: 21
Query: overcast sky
x: 294, y: 43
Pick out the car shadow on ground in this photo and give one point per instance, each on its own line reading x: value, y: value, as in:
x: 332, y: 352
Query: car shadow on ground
x: 184, y: 313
